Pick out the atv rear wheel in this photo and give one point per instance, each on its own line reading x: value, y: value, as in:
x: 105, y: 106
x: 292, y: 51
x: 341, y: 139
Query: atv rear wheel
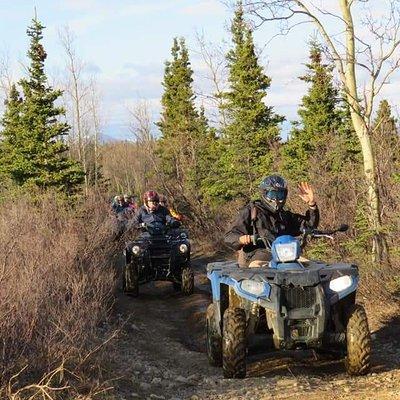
x: 130, y: 279
x: 358, y: 340
x: 234, y: 343
x: 213, y: 338
x: 187, y: 284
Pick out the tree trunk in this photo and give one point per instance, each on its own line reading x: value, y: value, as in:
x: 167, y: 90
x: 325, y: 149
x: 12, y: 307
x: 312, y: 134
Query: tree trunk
x: 379, y: 246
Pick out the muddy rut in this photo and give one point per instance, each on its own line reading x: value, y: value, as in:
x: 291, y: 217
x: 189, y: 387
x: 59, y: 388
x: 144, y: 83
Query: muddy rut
x: 161, y: 355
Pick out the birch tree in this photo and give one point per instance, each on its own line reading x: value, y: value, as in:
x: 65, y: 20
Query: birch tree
x: 364, y: 49
x: 6, y: 78
x: 141, y: 128
x: 216, y: 77
x: 83, y: 105
x: 94, y: 107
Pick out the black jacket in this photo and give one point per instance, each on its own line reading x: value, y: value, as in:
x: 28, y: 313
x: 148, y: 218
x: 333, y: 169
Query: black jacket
x: 268, y: 224
x: 160, y: 215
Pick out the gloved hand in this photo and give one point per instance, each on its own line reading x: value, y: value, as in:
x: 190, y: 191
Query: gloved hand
x: 174, y: 224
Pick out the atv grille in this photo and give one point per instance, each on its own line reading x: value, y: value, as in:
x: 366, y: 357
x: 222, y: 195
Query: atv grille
x: 298, y: 297
x: 160, y: 249
x: 300, y: 329
x: 160, y: 252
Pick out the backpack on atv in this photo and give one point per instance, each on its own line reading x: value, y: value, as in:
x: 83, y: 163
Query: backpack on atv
x: 300, y: 304
x: 160, y: 253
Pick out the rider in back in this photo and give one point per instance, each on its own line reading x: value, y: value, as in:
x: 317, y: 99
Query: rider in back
x: 174, y: 214
x: 118, y: 205
x: 151, y: 211
x: 266, y: 217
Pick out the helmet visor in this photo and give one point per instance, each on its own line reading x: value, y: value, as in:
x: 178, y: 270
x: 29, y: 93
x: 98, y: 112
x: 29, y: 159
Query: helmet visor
x: 278, y: 195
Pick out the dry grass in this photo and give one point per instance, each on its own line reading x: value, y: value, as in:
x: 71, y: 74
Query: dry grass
x: 56, y: 286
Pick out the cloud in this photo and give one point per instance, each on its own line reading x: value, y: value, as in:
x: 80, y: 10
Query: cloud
x: 96, y: 12
x: 123, y: 89
x: 92, y: 69
x: 204, y: 7
x: 87, y: 22
x: 79, y: 5
x: 147, y: 7
x: 125, y: 85
x: 146, y: 69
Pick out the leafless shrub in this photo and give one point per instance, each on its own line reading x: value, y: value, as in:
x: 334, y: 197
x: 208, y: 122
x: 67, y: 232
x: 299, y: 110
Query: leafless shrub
x: 56, y: 285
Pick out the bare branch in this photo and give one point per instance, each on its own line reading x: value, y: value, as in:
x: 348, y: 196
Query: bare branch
x: 214, y: 58
x: 6, y: 78
x: 274, y: 7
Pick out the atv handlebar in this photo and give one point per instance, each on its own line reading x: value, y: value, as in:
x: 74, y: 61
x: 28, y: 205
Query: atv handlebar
x: 327, y: 233
x: 305, y: 233
x: 257, y: 238
x: 148, y: 226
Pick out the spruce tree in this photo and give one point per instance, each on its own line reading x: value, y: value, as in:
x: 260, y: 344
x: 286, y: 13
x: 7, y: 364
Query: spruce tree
x: 11, y: 137
x: 179, y: 118
x: 206, y: 156
x: 319, y: 119
x: 40, y: 150
x: 185, y: 134
x: 252, y: 130
x: 384, y: 121
x: 347, y: 133
x: 386, y: 141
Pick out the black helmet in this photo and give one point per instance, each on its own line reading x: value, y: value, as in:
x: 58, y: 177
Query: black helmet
x: 273, y: 191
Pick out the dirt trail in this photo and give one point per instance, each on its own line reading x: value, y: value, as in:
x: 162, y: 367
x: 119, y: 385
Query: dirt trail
x: 161, y: 355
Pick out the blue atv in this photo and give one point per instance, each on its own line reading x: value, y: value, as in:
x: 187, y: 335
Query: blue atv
x: 301, y: 304
x: 159, y: 253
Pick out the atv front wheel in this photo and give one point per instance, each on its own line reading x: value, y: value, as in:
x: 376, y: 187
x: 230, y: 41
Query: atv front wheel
x: 234, y: 343
x: 213, y: 338
x: 358, y: 340
x: 187, y: 284
x: 130, y: 279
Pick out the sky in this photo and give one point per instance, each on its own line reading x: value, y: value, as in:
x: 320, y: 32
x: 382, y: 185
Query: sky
x: 125, y: 43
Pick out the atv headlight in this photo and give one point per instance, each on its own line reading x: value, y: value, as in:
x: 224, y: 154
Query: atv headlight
x: 252, y: 287
x: 135, y: 250
x: 341, y: 283
x: 287, y: 251
x: 183, y: 248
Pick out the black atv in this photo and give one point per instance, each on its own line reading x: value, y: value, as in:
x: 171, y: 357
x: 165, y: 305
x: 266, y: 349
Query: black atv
x: 160, y: 253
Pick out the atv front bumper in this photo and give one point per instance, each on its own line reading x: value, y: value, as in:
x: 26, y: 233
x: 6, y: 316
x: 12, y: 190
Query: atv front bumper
x: 296, y: 302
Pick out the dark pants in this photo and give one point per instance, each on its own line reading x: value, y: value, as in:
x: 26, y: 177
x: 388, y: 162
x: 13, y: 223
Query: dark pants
x: 245, y: 258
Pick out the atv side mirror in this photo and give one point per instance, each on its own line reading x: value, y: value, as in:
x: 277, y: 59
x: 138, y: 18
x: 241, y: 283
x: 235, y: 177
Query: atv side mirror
x: 343, y: 228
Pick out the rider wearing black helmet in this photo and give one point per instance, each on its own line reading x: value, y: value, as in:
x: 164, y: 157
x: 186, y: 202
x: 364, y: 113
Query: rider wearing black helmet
x: 266, y: 217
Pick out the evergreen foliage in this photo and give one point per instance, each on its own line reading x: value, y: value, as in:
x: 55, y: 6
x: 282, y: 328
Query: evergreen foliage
x: 384, y: 126
x: 185, y: 135
x: 179, y: 117
x: 319, y: 118
x: 32, y: 151
x: 349, y: 145
x: 252, y: 130
x: 386, y: 142
x: 12, y: 137
x: 359, y: 244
